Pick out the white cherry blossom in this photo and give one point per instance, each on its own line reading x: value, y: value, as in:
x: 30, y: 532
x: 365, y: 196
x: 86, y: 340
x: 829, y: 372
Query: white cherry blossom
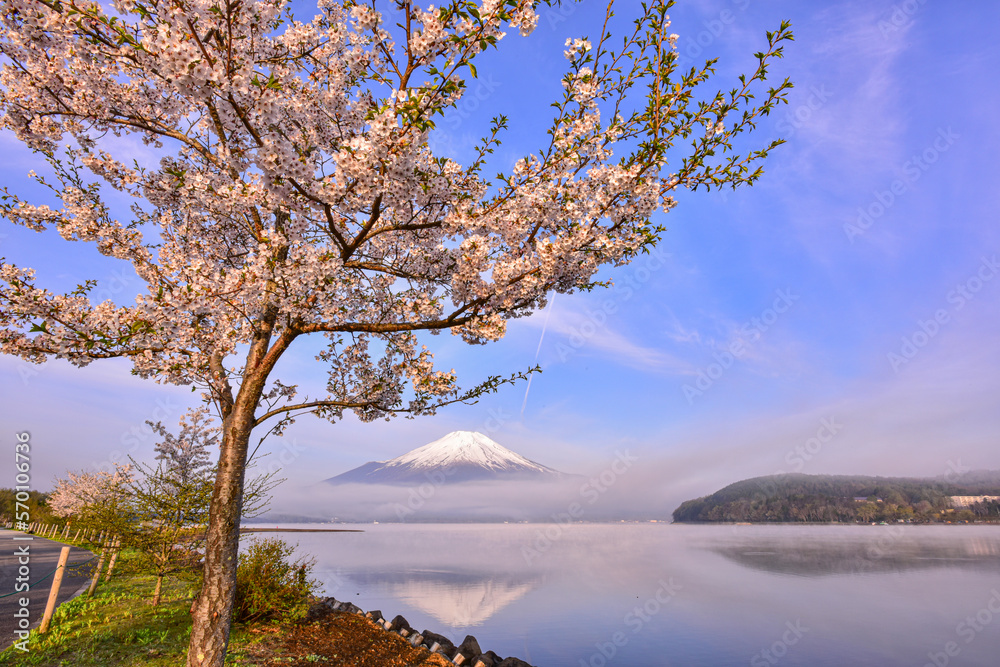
x: 295, y: 195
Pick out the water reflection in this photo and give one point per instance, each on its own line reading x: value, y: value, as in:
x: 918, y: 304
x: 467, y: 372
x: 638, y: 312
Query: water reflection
x: 887, y: 549
x: 869, y: 596
x: 457, y: 599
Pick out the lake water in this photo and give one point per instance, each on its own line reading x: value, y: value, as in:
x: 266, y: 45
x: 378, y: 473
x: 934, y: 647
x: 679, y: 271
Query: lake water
x: 641, y: 595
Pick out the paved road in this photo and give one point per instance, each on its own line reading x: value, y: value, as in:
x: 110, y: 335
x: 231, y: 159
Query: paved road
x: 44, y: 555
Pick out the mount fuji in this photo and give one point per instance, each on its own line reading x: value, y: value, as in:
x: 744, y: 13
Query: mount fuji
x: 460, y: 456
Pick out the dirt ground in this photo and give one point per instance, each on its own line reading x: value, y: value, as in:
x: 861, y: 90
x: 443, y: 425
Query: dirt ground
x: 338, y: 640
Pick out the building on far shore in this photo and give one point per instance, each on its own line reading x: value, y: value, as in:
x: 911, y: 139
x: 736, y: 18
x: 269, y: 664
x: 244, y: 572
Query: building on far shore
x: 961, y: 502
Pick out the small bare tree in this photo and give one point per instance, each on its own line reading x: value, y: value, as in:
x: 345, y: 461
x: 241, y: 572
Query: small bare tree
x: 169, y: 502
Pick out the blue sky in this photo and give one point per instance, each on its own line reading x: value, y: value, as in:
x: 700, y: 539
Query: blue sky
x: 873, y: 232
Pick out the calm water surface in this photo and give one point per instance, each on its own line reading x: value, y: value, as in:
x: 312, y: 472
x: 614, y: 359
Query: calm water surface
x: 654, y: 594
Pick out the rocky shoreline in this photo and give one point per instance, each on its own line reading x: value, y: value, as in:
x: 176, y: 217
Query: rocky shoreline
x: 466, y: 654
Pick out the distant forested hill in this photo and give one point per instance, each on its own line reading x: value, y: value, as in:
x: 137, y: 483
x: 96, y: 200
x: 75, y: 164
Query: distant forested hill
x: 798, y: 497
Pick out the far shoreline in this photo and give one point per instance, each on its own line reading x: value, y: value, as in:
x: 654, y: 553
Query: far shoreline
x: 300, y: 530
x: 277, y: 527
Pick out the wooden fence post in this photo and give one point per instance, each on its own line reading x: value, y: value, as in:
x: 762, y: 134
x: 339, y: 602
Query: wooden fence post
x: 97, y: 573
x: 115, y: 547
x: 54, y: 592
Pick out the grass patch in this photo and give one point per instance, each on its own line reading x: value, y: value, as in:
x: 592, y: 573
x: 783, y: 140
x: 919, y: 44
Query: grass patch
x: 119, y: 626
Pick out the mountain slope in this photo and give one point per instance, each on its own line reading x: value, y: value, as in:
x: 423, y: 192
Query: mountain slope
x: 799, y: 497
x: 460, y: 456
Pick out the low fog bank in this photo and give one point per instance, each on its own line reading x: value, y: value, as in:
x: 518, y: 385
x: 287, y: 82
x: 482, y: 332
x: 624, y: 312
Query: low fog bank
x: 629, y: 483
x: 640, y: 483
x: 631, y: 487
x: 579, y: 499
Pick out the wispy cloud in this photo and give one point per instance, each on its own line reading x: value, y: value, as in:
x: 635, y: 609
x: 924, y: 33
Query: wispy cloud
x: 574, y: 329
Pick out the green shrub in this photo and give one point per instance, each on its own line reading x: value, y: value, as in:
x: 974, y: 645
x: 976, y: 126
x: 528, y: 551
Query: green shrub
x: 269, y: 585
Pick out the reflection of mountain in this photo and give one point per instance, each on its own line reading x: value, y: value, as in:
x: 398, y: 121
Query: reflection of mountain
x: 456, y: 599
x: 885, y: 552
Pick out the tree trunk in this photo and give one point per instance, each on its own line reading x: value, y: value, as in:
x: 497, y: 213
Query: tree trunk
x: 156, y: 592
x: 212, y: 610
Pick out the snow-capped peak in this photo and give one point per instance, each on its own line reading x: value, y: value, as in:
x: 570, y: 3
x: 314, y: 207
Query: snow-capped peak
x: 465, y: 447
x: 462, y: 456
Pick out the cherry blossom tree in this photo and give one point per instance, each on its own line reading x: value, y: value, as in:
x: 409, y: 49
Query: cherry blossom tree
x: 94, y: 498
x: 296, y: 195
